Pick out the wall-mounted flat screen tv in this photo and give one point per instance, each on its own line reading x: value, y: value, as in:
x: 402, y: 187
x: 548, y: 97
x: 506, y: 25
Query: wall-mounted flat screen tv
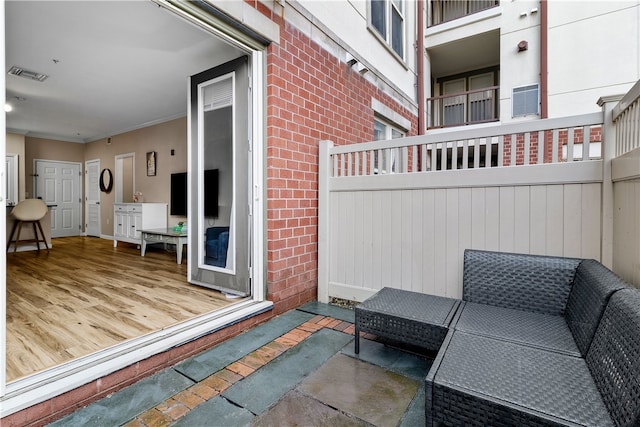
x: 179, y: 193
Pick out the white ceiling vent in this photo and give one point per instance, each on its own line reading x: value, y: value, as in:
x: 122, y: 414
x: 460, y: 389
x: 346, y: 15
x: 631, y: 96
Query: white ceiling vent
x: 27, y: 74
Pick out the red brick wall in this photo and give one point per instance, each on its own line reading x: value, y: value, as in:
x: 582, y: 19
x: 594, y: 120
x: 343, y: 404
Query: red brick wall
x: 312, y: 96
x: 595, y: 135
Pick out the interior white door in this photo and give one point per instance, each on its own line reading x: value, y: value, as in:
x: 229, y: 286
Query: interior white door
x: 58, y: 184
x: 92, y: 198
x: 12, y: 179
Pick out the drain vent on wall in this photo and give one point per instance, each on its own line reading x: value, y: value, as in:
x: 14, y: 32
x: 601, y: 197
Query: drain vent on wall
x: 27, y: 74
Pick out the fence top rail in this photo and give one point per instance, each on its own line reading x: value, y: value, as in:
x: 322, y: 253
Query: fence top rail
x: 590, y: 119
x: 451, y: 95
x: 627, y: 100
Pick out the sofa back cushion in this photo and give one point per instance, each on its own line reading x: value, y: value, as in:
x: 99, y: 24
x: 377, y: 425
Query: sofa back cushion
x: 614, y: 357
x: 593, y: 285
x: 540, y: 284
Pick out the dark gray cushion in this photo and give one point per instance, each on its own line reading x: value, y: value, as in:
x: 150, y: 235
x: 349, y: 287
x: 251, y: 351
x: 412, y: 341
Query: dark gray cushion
x: 592, y: 288
x: 483, y: 381
x: 524, y: 327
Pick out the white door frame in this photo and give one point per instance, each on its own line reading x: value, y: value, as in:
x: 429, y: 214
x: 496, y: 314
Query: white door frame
x: 11, y: 175
x: 88, y: 182
x: 3, y: 221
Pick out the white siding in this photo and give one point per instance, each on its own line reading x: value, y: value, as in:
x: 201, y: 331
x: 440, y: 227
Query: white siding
x: 341, y: 26
x: 582, y: 49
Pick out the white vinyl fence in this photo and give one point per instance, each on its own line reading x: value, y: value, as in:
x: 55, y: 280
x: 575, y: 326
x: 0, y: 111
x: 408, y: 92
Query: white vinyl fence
x: 400, y: 213
x: 625, y: 118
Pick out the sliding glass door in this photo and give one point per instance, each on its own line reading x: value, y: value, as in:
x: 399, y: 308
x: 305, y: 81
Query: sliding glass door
x: 220, y: 178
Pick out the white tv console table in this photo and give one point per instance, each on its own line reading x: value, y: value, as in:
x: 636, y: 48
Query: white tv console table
x: 130, y: 218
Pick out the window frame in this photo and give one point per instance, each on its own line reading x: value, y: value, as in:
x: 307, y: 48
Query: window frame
x: 390, y: 7
x: 526, y: 113
x: 391, y: 131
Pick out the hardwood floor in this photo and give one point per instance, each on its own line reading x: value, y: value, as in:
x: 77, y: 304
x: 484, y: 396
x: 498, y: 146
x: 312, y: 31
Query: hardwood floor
x: 85, y: 295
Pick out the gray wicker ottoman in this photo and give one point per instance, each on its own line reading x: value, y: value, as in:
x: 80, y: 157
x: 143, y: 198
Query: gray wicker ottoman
x: 405, y: 316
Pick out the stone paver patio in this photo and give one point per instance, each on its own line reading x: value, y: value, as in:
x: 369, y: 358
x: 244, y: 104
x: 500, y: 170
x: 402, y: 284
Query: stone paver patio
x: 297, y: 369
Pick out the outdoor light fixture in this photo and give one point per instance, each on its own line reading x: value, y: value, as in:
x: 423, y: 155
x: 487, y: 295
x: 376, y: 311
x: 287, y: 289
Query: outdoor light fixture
x: 523, y: 45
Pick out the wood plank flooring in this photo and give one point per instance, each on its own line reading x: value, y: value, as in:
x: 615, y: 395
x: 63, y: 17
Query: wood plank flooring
x: 85, y: 295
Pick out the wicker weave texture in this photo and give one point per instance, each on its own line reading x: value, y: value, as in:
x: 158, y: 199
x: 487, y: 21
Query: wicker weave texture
x: 403, y: 330
x: 456, y: 408
x: 593, y: 286
x: 411, y: 305
x: 534, y: 329
x: 614, y: 357
x: 515, y: 381
x: 405, y: 316
x: 540, y: 284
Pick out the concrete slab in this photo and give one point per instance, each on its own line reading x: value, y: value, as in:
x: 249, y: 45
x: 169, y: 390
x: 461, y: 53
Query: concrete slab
x: 216, y: 412
x: 296, y: 409
x: 368, y: 392
x: 407, y: 364
x: 415, y: 415
x: 125, y: 404
x: 211, y: 361
x: 315, y: 307
x: 270, y: 383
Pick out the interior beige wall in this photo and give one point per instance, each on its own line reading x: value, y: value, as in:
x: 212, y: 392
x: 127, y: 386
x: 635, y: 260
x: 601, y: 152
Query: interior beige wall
x: 49, y: 149
x: 161, y: 138
x: 15, y: 145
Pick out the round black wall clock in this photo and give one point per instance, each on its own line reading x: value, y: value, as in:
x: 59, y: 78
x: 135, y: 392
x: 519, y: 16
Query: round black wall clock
x: 106, y: 181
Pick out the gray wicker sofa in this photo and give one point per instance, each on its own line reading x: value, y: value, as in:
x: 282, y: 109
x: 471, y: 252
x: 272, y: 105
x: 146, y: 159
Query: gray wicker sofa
x: 538, y: 341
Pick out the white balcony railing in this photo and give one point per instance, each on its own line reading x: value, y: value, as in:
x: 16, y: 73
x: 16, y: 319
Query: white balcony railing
x: 464, y: 108
x: 447, y: 10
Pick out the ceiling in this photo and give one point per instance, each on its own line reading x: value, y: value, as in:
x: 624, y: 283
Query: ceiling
x: 471, y: 53
x: 112, y: 66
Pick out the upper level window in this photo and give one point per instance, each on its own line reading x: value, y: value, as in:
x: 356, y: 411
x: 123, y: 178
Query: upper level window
x: 387, y: 18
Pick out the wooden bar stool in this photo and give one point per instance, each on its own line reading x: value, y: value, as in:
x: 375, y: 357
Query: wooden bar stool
x: 29, y: 211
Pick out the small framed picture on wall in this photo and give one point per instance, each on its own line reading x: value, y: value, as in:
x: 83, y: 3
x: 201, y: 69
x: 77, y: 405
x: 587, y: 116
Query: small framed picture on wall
x: 151, y: 163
